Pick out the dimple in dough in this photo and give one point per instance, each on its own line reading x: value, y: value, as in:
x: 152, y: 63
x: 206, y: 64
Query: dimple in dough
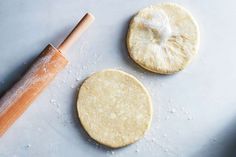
x: 114, y: 108
x: 163, y: 38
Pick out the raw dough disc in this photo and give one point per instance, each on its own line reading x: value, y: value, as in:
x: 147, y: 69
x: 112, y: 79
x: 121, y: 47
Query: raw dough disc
x: 114, y: 108
x: 163, y: 38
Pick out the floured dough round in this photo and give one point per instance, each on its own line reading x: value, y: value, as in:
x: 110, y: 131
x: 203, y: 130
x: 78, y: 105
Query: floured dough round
x: 114, y: 108
x: 163, y: 38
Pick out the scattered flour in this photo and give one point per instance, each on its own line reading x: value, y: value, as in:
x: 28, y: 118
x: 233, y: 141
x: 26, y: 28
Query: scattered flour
x: 28, y: 146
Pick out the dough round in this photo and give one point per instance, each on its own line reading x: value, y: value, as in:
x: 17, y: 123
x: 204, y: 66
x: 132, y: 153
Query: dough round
x: 114, y: 108
x: 163, y: 38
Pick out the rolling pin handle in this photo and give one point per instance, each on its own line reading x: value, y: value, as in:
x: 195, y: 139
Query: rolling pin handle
x: 76, y: 32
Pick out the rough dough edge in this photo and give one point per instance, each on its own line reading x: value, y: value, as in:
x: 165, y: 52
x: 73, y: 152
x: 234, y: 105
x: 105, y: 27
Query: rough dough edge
x: 160, y: 71
x: 142, y: 86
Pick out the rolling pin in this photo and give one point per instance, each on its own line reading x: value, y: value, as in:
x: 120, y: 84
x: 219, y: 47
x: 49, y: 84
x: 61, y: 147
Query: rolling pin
x: 50, y: 61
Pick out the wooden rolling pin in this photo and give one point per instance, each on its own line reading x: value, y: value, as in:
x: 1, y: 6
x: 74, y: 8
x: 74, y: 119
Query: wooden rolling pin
x: 47, y: 65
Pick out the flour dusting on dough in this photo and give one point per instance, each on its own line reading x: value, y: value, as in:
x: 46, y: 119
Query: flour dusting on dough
x: 158, y: 22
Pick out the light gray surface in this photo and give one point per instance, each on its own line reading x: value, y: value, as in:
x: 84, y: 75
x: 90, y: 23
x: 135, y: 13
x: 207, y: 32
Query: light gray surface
x: 194, y: 110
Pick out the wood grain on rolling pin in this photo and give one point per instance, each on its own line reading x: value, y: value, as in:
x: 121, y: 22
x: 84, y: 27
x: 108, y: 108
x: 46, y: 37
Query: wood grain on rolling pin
x: 19, y: 97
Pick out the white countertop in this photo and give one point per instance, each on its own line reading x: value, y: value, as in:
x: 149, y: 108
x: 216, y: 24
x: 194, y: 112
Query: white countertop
x: 194, y: 110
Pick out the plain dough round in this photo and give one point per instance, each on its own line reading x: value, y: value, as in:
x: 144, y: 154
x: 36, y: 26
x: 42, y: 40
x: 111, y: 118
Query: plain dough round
x: 114, y: 108
x: 178, y: 50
